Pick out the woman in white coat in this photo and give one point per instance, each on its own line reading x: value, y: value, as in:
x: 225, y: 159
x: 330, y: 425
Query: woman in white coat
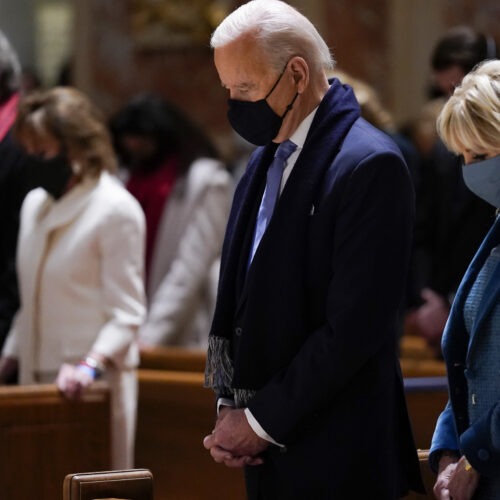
x: 185, y: 192
x: 80, y: 262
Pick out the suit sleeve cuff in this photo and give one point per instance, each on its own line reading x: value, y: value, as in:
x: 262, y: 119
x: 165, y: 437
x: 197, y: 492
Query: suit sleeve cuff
x: 480, y: 443
x: 224, y: 402
x: 257, y: 428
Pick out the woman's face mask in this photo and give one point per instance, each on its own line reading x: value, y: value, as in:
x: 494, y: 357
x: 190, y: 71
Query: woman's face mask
x: 483, y: 179
x: 256, y: 121
x: 52, y: 174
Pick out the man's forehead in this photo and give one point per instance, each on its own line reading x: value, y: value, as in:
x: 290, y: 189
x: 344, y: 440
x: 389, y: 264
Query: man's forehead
x: 239, y: 67
x: 240, y: 78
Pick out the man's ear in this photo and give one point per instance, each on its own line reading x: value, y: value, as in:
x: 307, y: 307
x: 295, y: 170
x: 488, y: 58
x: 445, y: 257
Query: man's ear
x: 300, y: 73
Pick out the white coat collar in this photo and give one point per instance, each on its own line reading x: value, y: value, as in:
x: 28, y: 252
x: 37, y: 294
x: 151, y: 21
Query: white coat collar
x: 53, y: 214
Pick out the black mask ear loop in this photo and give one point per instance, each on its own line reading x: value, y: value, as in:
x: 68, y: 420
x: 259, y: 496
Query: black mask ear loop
x: 290, y: 106
x: 277, y: 81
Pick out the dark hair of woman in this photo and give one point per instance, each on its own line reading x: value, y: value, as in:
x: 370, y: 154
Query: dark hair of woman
x: 462, y: 46
x: 151, y: 117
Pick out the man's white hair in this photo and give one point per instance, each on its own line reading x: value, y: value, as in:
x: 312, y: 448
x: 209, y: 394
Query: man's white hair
x: 280, y: 30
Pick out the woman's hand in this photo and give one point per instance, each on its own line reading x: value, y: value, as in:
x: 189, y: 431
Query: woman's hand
x: 447, y: 465
x: 73, y: 379
x: 464, y: 481
x: 8, y: 368
x: 430, y: 318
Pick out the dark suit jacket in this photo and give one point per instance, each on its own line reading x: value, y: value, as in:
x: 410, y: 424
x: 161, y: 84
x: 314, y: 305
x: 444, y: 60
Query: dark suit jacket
x: 13, y: 188
x: 315, y: 317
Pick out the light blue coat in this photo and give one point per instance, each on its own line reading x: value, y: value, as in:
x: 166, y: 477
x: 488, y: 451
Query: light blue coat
x: 470, y: 423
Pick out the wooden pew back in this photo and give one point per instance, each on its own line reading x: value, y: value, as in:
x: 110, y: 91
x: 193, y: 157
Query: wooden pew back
x: 44, y: 437
x: 174, y: 359
x: 136, y: 484
x: 175, y: 413
x: 422, y: 367
x: 426, y: 398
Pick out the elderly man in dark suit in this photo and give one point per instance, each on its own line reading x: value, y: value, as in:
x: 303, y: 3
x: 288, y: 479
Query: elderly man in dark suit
x: 302, y: 350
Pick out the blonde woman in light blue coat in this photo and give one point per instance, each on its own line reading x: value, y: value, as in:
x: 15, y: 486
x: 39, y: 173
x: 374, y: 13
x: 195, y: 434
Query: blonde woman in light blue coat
x: 465, y: 450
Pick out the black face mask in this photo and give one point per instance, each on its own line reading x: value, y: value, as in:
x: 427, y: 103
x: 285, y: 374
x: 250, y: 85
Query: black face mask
x: 256, y: 121
x: 51, y: 174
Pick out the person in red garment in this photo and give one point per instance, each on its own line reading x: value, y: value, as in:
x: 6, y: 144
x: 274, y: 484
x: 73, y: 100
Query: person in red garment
x: 185, y: 191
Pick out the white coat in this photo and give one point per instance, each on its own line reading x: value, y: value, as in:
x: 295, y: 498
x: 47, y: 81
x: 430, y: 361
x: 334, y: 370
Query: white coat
x: 80, y: 267
x: 185, y: 261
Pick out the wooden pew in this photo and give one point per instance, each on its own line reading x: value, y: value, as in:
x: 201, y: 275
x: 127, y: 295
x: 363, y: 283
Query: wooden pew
x: 173, y: 358
x: 412, y: 368
x: 426, y: 398
x: 180, y: 359
x: 415, y: 347
x: 131, y: 483
x: 175, y: 412
x: 44, y: 437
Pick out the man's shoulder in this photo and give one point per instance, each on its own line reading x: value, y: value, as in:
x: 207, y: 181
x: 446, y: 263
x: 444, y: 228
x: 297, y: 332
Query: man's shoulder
x: 365, y: 145
x: 363, y: 139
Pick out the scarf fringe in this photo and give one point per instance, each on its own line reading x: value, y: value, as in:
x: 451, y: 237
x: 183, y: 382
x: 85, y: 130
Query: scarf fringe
x: 219, y: 372
x: 242, y: 397
x: 219, y: 368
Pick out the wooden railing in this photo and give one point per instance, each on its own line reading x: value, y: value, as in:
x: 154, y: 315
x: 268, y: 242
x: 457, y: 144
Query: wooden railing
x: 44, y: 437
x: 176, y: 412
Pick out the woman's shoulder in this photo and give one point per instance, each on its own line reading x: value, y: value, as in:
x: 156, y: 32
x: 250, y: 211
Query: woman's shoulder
x: 208, y: 172
x: 113, y: 197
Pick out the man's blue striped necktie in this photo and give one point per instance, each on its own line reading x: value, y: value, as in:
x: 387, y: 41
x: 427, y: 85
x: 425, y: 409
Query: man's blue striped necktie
x: 271, y: 193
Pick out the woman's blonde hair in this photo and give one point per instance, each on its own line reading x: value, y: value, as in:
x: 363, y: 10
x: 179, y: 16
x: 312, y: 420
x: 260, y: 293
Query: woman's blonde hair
x: 470, y: 119
x: 70, y: 117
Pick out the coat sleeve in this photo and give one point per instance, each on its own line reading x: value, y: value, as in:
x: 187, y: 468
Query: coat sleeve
x: 122, y: 242
x: 480, y: 443
x: 444, y: 438
x: 195, y: 264
x: 372, y: 233
x: 11, y: 346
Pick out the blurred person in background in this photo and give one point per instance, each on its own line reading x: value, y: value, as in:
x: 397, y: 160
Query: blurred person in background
x: 451, y: 220
x: 13, y: 185
x: 30, y: 80
x: 80, y: 262
x: 373, y: 111
x: 185, y: 191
